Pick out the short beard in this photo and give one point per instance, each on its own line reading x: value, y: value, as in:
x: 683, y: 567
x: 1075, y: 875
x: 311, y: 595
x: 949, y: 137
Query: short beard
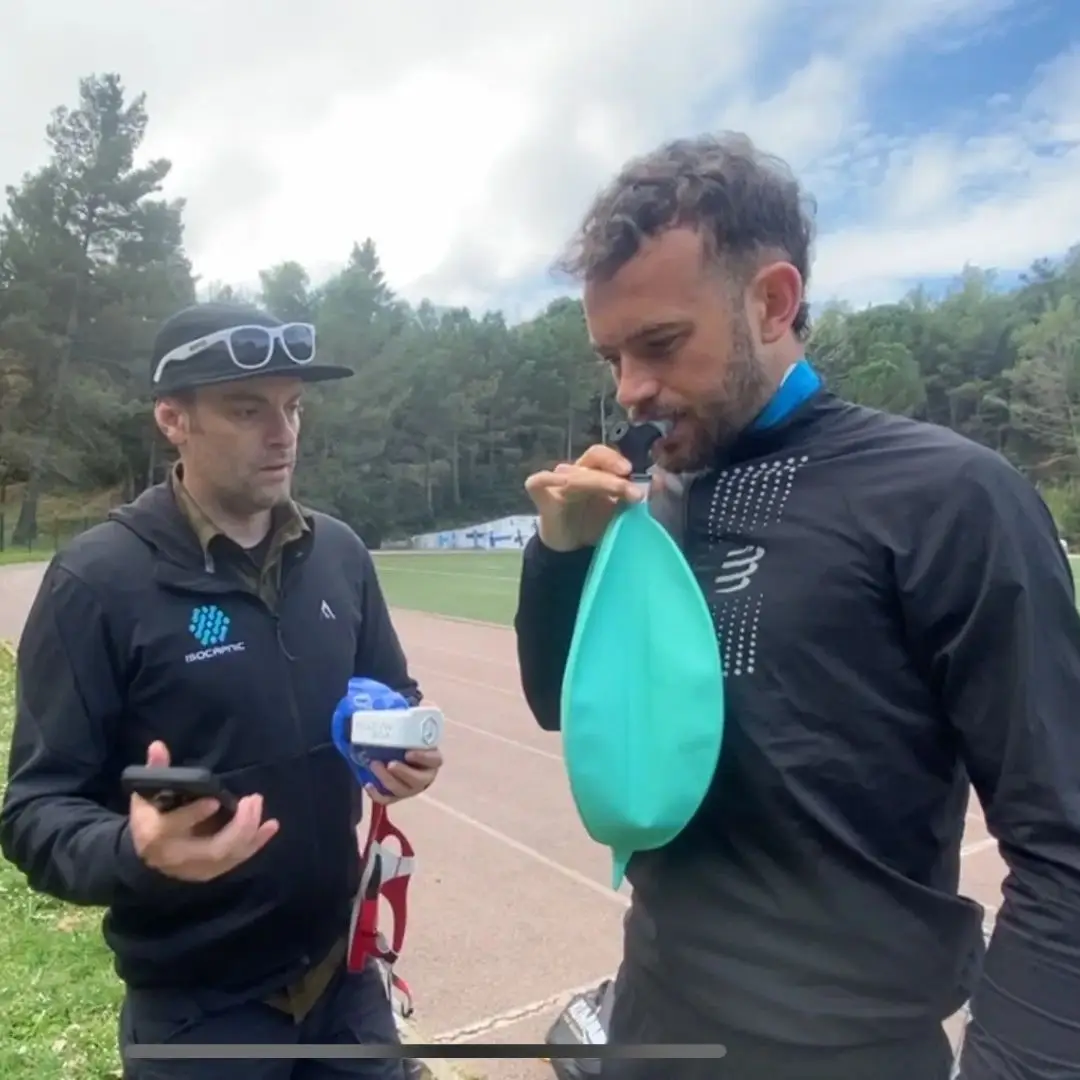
x: 743, y: 394
x: 746, y: 389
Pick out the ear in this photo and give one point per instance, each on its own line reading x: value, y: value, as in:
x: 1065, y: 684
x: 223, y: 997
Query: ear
x: 172, y: 419
x: 773, y: 298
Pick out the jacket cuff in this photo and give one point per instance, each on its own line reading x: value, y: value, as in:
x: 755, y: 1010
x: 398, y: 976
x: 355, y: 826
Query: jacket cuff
x: 540, y: 558
x: 133, y: 875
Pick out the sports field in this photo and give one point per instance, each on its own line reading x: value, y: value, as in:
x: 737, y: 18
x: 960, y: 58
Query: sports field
x: 474, y: 585
x: 464, y: 584
x: 488, y: 961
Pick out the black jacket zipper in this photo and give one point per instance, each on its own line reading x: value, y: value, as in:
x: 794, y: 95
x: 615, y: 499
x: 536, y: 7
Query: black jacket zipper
x: 288, y: 564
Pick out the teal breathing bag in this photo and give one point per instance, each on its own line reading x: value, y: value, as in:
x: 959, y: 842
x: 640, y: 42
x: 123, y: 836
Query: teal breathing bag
x: 643, y: 692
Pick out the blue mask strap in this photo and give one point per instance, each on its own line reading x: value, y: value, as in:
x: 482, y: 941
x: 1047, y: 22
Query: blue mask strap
x: 339, y: 732
x: 799, y: 385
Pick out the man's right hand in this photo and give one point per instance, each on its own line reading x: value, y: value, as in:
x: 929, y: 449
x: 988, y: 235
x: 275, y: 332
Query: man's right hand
x: 576, y: 502
x: 170, y: 843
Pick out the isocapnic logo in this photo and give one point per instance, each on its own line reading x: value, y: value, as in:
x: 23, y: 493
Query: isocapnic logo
x: 209, y: 626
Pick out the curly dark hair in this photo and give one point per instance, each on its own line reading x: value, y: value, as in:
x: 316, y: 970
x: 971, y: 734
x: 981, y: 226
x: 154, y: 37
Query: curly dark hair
x: 746, y: 204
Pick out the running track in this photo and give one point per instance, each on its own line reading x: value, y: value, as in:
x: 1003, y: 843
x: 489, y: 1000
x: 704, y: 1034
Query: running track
x: 510, y: 910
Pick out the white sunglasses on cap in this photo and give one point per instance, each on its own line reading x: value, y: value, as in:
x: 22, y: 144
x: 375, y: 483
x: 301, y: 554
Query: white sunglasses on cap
x: 249, y: 347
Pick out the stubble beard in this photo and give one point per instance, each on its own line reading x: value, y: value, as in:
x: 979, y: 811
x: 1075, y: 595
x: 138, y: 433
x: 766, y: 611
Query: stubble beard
x: 719, y: 421
x: 255, y: 500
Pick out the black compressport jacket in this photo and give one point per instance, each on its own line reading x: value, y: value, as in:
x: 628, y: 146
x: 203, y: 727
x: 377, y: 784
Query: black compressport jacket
x: 895, y: 614
x: 111, y: 659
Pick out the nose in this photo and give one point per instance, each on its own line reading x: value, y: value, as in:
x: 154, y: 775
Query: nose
x: 636, y: 386
x: 282, y: 430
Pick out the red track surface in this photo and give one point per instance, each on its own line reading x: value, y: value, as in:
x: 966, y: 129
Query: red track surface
x: 510, y: 908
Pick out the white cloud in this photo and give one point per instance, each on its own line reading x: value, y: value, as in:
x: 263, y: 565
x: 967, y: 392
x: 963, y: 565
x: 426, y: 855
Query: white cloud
x: 817, y: 109
x: 1002, y: 199
x: 468, y: 138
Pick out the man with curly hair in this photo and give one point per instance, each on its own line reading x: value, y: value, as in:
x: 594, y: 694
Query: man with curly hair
x: 904, y: 621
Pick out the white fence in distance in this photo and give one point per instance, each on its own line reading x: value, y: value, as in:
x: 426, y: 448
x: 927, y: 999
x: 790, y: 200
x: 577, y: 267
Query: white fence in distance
x: 503, y: 534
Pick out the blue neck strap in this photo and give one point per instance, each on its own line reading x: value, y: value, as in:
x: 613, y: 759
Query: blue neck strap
x: 800, y: 383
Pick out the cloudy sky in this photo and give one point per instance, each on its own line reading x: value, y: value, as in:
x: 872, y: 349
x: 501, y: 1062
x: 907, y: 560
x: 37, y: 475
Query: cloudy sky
x: 467, y: 138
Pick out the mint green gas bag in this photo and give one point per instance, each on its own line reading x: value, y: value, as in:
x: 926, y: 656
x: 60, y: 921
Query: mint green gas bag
x: 643, y: 692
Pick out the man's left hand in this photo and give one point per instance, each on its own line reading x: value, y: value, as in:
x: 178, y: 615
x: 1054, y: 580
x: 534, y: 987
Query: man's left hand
x: 403, y: 779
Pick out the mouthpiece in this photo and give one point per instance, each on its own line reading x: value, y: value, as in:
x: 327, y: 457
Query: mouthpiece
x: 634, y: 442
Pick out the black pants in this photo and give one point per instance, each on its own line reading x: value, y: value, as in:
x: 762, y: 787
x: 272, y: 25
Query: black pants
x: 354, y: 1009
x: 640, y: 1016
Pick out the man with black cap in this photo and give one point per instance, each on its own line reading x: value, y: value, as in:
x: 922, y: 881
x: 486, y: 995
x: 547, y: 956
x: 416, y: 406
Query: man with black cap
x: 213, y: 622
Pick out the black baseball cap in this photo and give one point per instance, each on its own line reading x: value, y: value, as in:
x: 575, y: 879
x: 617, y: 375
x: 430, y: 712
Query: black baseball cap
x: 216, y: 343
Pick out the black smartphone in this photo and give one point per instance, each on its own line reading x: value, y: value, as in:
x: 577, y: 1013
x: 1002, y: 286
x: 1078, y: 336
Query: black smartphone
x: 170, y: 787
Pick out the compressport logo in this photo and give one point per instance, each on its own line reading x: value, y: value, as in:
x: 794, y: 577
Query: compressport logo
x: 738, y: 567
x: 209, y: 626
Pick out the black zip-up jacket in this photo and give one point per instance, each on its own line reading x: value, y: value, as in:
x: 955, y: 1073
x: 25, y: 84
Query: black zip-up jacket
x: 110, y: 660
x: 895, y: 614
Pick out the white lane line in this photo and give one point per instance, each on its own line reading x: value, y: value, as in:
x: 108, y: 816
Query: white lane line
x: 584, y: 880
x: 453, y: 618
x: 509, y: 1017
x: 424, y: 646
x: 471, y: 578
x: 498, y: 1021
x: 491, y: 688
x: 487, y: 732
x: 505, y: 739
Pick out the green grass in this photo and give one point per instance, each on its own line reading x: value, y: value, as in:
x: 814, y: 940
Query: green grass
x: 465, y: 584
x: 472, y: 585
x: 59, y: 518
x: 10, y: 556
x: 58, y: 994
x: 71, y: 506
x: 480, y: 585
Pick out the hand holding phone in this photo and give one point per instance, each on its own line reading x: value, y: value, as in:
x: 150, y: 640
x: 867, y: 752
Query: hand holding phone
x: 186, y: 825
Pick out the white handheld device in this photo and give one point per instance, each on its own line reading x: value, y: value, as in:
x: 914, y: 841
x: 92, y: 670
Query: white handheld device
x: 386, y: 734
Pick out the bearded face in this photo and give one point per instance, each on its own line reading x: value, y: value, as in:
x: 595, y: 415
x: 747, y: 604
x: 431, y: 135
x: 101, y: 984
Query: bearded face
x: 681, y: 348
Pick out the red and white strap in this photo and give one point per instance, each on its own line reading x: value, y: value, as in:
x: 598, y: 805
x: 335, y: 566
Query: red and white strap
x: 385, y: 873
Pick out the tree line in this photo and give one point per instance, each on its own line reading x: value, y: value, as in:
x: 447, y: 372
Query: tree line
x: 449, y: 410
